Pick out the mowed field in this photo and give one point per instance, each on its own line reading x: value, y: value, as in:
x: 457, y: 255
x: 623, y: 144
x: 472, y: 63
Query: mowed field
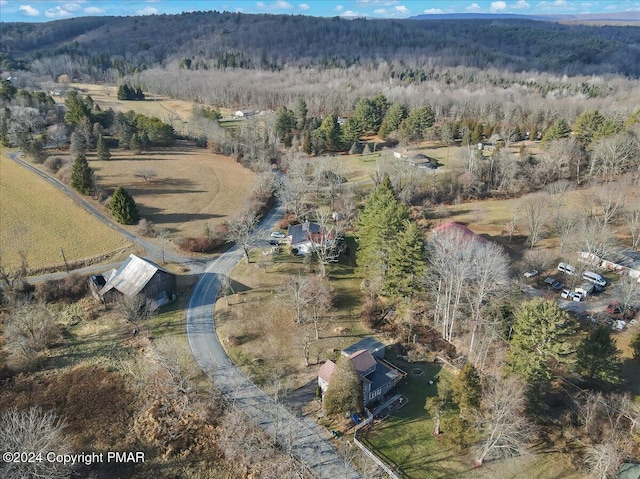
x: 38, y: 219
x: 192, y: 187
x: 177, y: 113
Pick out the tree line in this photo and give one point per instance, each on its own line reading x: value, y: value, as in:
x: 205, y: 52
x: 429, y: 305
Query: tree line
x: 230, y: 40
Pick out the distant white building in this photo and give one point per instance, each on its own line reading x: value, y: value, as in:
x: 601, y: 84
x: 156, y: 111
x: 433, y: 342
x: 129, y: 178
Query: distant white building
x: 244, y: 113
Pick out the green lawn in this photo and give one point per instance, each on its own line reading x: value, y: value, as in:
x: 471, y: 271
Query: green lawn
x: 406, y: 443
x: 405, y: 440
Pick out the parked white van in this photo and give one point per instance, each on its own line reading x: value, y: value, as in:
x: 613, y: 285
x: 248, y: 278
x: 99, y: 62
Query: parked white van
x: 566, y: 268
x: 594, y: 278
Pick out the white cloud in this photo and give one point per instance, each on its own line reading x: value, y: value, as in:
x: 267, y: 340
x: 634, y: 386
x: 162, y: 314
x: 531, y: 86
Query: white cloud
x: 282, y: 5
x: 94, y: 10
x: 401, y: 9
x: 339, y: 8
x: 29, y: 11
x: 520, y: 5
x: 498, y: 6
x: 147, y: 11
x: 474, y: 7
x: 72, y: 7
x: 304, y: 6
x: 277, y: 5
x: 560, y: 3
x: 3, y: 3
x: 433, y: 11
x: 351, y: 14
x: 380, y: 11
x: 56, y: 12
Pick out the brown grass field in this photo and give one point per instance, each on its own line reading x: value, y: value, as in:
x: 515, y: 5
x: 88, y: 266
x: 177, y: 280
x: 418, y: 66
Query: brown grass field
x: 193, y: 187
x: 38, y: 219
x: 175, y: 112
x: 270, y: 343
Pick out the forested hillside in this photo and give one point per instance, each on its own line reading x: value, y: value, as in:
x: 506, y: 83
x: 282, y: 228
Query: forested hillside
x: 212, y: 40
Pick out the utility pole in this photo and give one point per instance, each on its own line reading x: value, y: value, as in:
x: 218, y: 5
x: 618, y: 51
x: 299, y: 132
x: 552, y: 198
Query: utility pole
x: 66, y: 266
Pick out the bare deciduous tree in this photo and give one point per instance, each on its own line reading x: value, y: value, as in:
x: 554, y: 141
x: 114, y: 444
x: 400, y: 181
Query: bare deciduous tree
x: 31, y: 328
x: 503, y: 423
x: 136, y: 308
x: 242, y: 230
x: 147, y: 174
x: 627, y: 291
x: 293, y: 293
x: 33, y: 431
x: 536, y: 211
x: 324, y: 245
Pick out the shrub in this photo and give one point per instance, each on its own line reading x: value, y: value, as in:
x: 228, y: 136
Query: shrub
x: 202, y: 244
x: 71, y: 288
x: 146, y: 228
x: 54, y: 163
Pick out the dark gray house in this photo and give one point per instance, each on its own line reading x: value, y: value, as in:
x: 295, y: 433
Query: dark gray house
x: 377, y: 376
x: 135, y: 276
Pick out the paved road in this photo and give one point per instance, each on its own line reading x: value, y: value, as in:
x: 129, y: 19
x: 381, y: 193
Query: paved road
x: 153, y: 251
x: 310, y: 444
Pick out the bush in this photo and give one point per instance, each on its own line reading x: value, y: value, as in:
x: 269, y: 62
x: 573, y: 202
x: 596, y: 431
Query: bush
x: 146, y: 228
x: 69, y: 289
x: 54, y: 163
x: 202, y: 244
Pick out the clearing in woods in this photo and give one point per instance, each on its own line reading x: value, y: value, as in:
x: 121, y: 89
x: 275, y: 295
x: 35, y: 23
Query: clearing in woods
x: 192, y: 187
x: 176, y: 113
x: 38, y: 219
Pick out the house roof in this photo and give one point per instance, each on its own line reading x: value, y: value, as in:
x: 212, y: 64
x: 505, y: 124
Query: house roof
x: 456, y: 228
x: 326, y: 370
x: 300, y: 233
x: 132, y: 276
x: 381, y: 376
x: 362, y: 361
x: 375, y: 347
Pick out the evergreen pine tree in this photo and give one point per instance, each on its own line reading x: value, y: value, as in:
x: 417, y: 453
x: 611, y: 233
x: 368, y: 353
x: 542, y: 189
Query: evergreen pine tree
x: 598, y: 358
x: 537, y: 337
x: 123, y: 207
x: 344, y: 393
x: 82, y: 178
x: 306, y: 142
x: 467, y: 390
x: 331, y: 132
x: 379, y: 224
x: 406, y: 262
x: 102, y: 152
x: 135, y: 144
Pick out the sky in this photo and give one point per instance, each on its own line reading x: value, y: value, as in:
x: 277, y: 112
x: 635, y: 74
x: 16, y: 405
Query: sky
x: 45, y: 10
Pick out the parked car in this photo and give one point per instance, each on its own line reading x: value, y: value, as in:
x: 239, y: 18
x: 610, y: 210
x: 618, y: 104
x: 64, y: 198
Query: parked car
x: 557, y: 285
x: 277, y: 234
x: 614, y: 307
x: 274, y: 242
x: 567, y: 294
x: 566, y: 268
x: 594, y: 278
x: 531, y: 274
x: 578, y: 296
x: 549, y: 281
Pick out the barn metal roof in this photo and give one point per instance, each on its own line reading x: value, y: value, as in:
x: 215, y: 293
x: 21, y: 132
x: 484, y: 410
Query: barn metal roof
x: 132, y: 276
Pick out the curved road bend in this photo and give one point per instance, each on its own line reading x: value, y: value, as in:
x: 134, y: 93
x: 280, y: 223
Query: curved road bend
x: 309, y: 442
x: 153, y: 252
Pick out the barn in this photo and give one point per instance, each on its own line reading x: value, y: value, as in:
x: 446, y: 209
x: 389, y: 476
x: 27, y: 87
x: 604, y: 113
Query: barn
x: 136, y: 276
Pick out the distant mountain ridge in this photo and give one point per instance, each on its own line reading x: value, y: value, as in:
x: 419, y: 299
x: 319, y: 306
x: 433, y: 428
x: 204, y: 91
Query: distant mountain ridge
x: 630, y: 16
x: 220, y: 40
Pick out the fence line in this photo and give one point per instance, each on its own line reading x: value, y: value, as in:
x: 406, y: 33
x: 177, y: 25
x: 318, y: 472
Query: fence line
x: 364, y: 449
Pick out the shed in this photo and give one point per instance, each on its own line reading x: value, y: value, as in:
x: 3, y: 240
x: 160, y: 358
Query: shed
x: 140, y: 276
x: 375, y: 347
